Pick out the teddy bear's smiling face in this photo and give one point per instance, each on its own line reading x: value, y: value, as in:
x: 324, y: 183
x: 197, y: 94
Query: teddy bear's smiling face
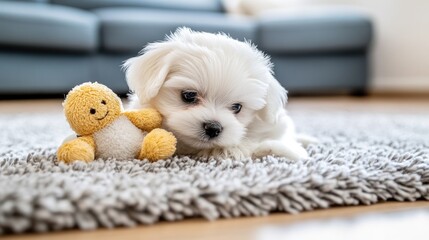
x: 99, y: 111
x: 91, y: 107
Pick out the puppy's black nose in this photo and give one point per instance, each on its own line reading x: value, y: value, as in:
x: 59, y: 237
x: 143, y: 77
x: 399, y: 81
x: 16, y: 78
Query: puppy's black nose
x: 212, y: 128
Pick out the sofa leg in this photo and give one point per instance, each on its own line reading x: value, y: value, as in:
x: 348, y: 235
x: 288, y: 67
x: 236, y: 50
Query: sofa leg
x: 359, y: 92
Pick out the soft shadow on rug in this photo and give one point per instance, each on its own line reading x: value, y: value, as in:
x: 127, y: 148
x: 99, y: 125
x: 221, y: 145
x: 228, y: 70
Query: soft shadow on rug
x: 361, y: 159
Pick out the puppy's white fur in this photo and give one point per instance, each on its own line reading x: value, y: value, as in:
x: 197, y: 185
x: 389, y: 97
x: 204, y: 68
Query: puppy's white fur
x: 223, y: 71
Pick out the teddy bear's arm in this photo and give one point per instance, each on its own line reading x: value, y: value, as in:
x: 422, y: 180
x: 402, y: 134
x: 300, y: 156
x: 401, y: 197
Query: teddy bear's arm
x: 81, y: 148
x: 145, y: 119
x: 88, y: 139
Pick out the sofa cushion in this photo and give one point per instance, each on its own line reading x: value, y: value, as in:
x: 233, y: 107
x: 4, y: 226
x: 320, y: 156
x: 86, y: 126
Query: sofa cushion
x: 197, y: 5
x: 317, y: 30
x: 47, y: 26
x: 127, y: 29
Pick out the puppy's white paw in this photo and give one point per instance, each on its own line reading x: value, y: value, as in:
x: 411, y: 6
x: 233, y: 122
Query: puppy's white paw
x: 306, y: 140
x: 222, y: 153
x: 293, y: 150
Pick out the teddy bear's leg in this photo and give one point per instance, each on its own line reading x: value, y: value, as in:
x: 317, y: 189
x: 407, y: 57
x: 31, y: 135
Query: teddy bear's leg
x: 158, y: 144
x: 77, y: 149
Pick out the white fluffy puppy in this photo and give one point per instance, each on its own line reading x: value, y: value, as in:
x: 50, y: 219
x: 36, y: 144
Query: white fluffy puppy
x: 217, y: 95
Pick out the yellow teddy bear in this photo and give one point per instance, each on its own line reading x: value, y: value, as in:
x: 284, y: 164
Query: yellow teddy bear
x: 104, y: 130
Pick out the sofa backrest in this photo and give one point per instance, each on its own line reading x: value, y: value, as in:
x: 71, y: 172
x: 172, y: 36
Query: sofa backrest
x: 195, y: 5
x: 36, y: 1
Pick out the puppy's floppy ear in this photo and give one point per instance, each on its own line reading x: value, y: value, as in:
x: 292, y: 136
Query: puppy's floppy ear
x: 276, y: 100
x: 146, y: 73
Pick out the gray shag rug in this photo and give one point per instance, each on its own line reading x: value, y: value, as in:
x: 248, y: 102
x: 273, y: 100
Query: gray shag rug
x: 360, y: 159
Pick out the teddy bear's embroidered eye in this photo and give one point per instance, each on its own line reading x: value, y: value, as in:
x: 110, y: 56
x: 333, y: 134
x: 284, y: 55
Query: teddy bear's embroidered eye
x: 92, y: 111
x: 103, y: 102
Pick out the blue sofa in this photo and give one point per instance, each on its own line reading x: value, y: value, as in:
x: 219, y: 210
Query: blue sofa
x: 48, y: 46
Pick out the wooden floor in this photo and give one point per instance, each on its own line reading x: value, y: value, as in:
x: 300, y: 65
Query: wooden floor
x: 241, y: 228
x: 404, y: 104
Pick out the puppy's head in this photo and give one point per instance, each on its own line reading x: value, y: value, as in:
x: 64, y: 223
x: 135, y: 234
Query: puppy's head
x: 208, y: 87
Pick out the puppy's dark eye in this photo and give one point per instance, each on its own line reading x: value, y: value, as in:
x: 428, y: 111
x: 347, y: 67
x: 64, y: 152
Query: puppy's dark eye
x: 189, y: 96
x: 236, y: 107
x: 92, y: 111
x: 103, y: 102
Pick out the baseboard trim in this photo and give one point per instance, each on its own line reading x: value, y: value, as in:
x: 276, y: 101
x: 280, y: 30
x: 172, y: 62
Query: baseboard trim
x: 399, y: 93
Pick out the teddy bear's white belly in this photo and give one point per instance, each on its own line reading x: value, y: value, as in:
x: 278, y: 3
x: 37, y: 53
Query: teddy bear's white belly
x: 121, y: 140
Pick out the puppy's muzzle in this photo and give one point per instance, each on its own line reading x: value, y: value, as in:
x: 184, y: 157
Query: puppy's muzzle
x: 212, y: 129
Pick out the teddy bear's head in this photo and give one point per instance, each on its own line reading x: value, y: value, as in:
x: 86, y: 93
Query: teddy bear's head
x: 89, y: 107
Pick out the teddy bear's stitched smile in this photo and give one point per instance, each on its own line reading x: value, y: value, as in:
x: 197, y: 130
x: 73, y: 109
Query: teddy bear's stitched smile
x: 104, y: 116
